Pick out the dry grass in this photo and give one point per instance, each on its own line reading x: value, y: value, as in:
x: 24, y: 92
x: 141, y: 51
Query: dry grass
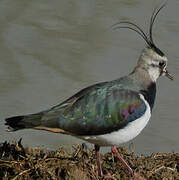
x: 17, y: 163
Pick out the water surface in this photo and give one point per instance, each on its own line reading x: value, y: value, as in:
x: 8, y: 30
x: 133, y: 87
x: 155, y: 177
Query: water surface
x: 50, y: 50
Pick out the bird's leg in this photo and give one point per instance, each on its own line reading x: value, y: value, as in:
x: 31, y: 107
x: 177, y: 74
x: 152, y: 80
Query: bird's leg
x: 116, y: 153
x: 100, y: 171
x: 97, y: 148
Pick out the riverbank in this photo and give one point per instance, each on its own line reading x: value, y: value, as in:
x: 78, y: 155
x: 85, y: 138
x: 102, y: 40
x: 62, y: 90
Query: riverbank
x: 79, y: 163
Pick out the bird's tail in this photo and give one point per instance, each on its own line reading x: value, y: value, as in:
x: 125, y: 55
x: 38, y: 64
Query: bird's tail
x: 21, y: 122
x: 45, y: 120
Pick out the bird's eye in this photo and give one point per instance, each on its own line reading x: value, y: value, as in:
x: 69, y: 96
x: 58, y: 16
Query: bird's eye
x: 162, y: 63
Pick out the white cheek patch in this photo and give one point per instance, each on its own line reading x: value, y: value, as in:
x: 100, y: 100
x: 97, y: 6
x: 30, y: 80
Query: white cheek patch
x: 156, y: 63
x: 154, y: 73
x: 154, y: 69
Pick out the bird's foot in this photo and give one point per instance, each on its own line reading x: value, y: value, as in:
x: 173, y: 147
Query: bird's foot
x: 137, y: 176
x: 107, y: 176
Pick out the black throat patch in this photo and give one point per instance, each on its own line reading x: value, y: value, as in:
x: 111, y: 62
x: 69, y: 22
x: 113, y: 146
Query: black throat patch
x: 149, y: 94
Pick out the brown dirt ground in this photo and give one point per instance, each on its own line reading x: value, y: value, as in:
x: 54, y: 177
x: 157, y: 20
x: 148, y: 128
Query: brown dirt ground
x: 17, y: 163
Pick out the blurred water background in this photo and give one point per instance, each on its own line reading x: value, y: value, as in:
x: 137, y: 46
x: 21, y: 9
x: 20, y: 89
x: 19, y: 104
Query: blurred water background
x: 49, y: 50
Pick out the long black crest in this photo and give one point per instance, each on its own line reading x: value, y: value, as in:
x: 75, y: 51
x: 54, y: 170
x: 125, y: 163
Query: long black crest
x: 147, y: 37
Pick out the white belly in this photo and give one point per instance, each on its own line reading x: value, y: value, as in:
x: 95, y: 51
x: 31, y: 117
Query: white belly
x: 123, y: 135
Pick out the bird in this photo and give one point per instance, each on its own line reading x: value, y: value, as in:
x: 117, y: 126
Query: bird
x: 107, y: 113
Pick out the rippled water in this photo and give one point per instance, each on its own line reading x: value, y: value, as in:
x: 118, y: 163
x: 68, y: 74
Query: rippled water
x: 51, y: 49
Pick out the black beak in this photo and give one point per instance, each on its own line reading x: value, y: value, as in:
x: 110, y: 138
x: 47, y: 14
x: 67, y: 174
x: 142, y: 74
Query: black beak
x: 168, y: 75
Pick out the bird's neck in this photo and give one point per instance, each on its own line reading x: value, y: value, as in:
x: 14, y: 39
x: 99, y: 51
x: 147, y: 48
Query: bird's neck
x: 143, y: 75
x: 146, y: 84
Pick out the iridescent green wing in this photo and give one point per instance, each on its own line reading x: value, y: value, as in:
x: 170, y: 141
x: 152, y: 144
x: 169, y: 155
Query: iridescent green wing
x: 102, y: 109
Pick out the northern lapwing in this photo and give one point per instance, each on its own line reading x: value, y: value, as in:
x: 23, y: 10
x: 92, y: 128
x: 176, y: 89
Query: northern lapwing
x: 108, y: 113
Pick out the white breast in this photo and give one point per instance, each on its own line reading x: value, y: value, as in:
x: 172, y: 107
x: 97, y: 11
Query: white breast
x: 123, y: 135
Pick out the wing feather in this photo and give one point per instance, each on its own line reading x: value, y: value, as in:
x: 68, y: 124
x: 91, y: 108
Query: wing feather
x: 101, y: 110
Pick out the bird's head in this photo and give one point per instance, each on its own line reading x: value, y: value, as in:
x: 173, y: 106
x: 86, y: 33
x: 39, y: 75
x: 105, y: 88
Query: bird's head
x: 154, y: 62
x: 152, y: 59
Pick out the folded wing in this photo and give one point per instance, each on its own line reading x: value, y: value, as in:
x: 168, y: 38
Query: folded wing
x: 100, y: 111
